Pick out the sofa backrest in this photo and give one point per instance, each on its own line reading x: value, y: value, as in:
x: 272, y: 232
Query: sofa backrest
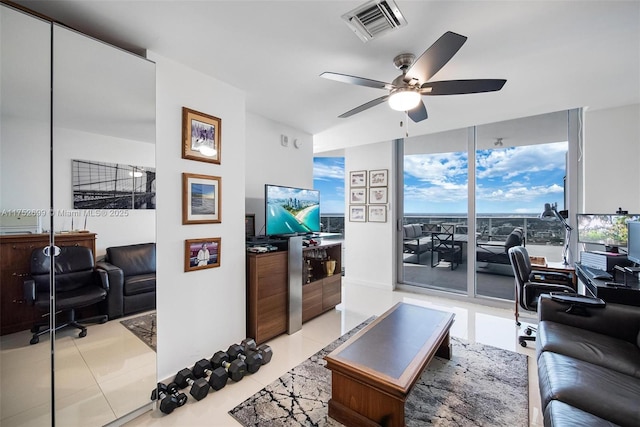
x: 412, y: 231
x: 133, y: 259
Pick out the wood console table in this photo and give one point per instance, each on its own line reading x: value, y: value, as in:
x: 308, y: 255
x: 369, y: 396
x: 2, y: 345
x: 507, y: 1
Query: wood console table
x: 15, y: 253
x: 374, y: 371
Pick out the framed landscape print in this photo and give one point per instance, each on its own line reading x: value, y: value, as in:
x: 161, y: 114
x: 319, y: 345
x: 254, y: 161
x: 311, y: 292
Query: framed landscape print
x: 201, y: 136
x: 378, y: 178
x: 358, y: 179
x: 358, y: 196
x: 201, y: 253
x: 377, y: 213
x: 357, y: 213
x: 201, y: 199
x: 378, y: 195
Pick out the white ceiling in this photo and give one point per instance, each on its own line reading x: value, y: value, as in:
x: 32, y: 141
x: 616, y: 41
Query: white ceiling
x: 555, y: 55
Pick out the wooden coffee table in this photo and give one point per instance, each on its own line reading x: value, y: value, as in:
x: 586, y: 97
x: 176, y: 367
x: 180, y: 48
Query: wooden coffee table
x: 374, y: 371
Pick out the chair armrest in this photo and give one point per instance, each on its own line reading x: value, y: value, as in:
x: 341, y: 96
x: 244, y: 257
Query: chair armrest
x: 615, y: 320
x: 115, y: 281
x: 29, y: 287
x: 103, y: 276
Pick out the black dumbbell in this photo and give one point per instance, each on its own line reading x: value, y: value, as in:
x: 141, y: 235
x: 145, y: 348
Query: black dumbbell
x: 170, y: 401
x: 217, y: 377
x: 252, y: 359
x: 264, y: 350
x: 236, y: 369
x: 199, y: 386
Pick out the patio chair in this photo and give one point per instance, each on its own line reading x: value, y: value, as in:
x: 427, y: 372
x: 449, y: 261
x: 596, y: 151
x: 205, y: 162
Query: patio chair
x: 444, y: 248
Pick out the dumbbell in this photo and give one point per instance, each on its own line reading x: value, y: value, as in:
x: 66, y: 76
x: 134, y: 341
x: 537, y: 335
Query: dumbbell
x: 264, y: 350
x: 217, y: 377
x: 170, y: 401
x: 236, y: 369
x: 251, y: 358
x: 199, y: 386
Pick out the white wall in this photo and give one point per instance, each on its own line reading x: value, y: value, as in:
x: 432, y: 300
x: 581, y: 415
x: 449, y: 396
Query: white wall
x: 202, y: 311
x: 611, y: 164
x: 369, y: 250
x: 269, y: 162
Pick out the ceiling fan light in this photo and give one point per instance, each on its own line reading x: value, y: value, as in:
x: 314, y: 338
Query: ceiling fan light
x: 404, y: 99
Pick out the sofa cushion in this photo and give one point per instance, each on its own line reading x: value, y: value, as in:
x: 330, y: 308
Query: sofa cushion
x: 139, y: 284
x: 603, y: 392
x: 411, y: 231
x: 558, y: 414
x: 592, y: 347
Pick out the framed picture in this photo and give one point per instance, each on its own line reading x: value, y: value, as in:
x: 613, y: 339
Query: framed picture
x: 357, y: 213
x: 378, y: 195
x: 358, y: 196
x: 358, y: 179
x: 249, y: 225
x: 201, y: 136
x: 377, y: 213
x: 201, y: 197
x: 378, y: 178
x: 201, y: 253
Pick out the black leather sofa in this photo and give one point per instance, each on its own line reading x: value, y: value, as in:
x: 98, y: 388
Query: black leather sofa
x: 132, y: 279
x: 588, y: 364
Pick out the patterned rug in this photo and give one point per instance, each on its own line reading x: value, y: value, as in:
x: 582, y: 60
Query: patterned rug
x: 479, y: 386
x: 143, y: 327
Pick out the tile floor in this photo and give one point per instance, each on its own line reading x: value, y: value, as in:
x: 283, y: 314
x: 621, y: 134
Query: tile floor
x: 473, y: 322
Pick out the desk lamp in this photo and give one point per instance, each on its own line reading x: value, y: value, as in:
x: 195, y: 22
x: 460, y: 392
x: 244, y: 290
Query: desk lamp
x: 550, y: 213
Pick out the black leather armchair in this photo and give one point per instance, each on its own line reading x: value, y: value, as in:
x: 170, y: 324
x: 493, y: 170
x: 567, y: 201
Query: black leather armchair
x: 77, y: 284
x: 132, y: 279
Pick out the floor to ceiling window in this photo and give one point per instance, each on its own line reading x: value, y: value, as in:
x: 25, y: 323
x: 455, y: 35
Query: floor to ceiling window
x: 328, y: 178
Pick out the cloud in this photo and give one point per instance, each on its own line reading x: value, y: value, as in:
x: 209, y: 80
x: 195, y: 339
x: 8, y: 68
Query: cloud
x: 437, y: 169
x: 512, y: 162
x: 326, y: 168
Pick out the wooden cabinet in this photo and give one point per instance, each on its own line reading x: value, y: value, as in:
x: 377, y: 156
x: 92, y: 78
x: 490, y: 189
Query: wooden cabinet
x: 15, y: 254
x: 267, y: 295
x: 321, y: 292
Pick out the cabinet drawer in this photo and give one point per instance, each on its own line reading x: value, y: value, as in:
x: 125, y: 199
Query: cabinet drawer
x: 331, y: 292
x: 311, y: 300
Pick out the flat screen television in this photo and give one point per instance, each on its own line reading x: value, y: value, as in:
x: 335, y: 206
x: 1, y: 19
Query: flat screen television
x: 291, y: 211
x: 609, y: 230
x: 633, y: 247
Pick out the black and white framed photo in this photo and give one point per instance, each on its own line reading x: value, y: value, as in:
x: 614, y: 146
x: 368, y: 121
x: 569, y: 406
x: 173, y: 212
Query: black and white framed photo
x: 358, y: 196
x: 378, y: 195
x: 377, y: 213
x: 378, y: 178
x: 357, y: 213
x: 358, y: 179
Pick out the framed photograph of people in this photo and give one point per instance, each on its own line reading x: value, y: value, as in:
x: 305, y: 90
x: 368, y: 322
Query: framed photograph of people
x: 377, y: 213
x: 201, y: 199
x: 378, y: 195
x: 358, y: 179
x: 201, y: 253
x: 378, y: 178
x: 357, y: 213
x: 201, y: 136
x: 358, y: 196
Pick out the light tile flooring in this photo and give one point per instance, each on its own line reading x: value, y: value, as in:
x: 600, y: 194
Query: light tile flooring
x: 473, y: 322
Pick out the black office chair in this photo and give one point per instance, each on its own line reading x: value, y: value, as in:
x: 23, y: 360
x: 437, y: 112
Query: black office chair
x: 528, y: 290
x: 77, y: 284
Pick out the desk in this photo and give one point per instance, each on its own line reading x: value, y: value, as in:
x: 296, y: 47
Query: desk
x: 597, y: 288
x: 559, y: 267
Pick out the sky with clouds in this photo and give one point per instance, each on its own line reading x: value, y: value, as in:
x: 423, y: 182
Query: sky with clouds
x: 508, y: 180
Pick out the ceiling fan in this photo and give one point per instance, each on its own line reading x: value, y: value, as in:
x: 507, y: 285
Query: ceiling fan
x: 405, y: 91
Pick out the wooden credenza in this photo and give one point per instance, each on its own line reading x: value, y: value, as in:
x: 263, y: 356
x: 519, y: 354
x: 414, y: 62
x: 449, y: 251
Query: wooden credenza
x: 15, y: 254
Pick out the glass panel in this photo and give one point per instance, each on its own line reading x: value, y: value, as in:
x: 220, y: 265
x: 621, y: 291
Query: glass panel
x: 435, y: 227
x: 520, y: 166
x: 328, y: 178
x: 25, y: 67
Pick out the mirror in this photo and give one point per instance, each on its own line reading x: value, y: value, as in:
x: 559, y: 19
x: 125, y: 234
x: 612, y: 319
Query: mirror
x: 103, y: 110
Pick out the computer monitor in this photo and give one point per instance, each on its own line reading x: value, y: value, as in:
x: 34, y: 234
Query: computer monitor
x: 609, y: 230
x: 633, y: 236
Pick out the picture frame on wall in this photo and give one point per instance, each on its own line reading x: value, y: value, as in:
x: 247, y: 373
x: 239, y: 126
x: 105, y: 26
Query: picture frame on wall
x: 200, y: 254
x: 358, y: 179
x: 357, y: 213
x: 201, y: 136
x: 358, y: 196
x: 378, y: 195
x: 201, y: 199
x: 378, y: 178
x: 377, y: 213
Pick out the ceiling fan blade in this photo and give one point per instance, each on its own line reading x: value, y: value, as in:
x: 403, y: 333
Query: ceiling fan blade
x: 364, y: 106
x: 418, y: 113
x: 435, y: 57
x: 460, y: 87
x: 360, y: 81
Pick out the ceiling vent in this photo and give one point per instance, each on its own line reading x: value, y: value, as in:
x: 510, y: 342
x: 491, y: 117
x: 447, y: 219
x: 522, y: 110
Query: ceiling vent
x: 374, y: 18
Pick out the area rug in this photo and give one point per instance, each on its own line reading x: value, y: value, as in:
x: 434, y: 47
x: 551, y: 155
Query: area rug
x: 480, y: 386
x: 143, y: 327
